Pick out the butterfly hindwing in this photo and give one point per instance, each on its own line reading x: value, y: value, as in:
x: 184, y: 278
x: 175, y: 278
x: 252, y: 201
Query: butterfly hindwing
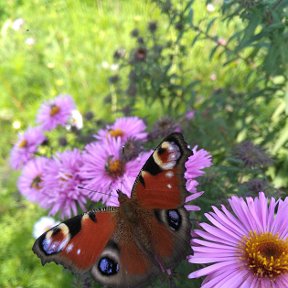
x: 171, y: 236
x: 160, y: 183
x: 77, y: 243
x: 123, y: 264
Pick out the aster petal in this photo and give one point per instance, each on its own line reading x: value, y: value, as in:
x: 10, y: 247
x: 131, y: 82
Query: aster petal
x: 193, y: 196
x: 231, y: 277
x: 125, y: 127
x: 213, y: 237
x: 214, y: 245
x: 234, y: 279
x: 192, y: 207
x: 241, y: 211
x: 223, y: 227
x: 280, y: 224
x: 271, y: 213
x: 228, y: 219
x: 252, y: 207
x: 210, y: 269
x: 219, y: 233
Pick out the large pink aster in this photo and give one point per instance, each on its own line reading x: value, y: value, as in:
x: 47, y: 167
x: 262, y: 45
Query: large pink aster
x: 26, y: 146
x: 125, y: 127
x: 105, y: 171
x: 55, y: 112
x: 30, y: 183
x: 247, y: 247
x: 60, y: 184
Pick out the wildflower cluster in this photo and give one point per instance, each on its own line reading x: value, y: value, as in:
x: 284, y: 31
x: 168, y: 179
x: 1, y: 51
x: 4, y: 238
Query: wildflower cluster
x: 245, y: 244
x: 110, y: 160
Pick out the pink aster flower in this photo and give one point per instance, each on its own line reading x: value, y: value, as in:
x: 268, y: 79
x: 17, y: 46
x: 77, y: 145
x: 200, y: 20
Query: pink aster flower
x: 105, y: 171
x: 55, y: 112
x: 125, y: 127
x: 60, y: 184
x: 30, y: 183
x: 26, y: 146
x: 246, y: 246
x: 195, y: 164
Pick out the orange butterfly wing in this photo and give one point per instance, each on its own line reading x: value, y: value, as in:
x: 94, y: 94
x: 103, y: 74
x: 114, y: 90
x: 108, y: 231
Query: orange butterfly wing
x: 161, y: 183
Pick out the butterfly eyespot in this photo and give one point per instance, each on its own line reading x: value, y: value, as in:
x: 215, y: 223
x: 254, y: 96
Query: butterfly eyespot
x: 108, y: 266
x: 55, y: 240
x: 166, y: 155
x: 161, y: 150
x: 174, y: 219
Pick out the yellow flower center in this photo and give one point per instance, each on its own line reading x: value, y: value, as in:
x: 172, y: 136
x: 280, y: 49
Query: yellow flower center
x: 265, y: 254
x: 54, y: 109
x: 116, y: 132
x: 23, y: 143
x: 36, y: 183
x: 114, y: 168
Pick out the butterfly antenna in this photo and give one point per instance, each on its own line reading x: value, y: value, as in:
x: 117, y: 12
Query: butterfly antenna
x: 94, y: 191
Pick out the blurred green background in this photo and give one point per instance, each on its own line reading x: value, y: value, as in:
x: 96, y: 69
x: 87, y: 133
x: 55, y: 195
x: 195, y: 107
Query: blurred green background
x: 66, y: 46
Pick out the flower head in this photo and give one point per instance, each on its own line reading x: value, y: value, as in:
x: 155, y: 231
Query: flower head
x: 55, y: 112
x: 190, y: 114
x: 60, y: 184
x: 252, y: 155
x: 247, y: 247
x: 199, y: 160
x: 105, y: 171
x: 75, y: 120
x: 26, y: 146
x: 18, y: 24
x: 164, y: 127
x: 30, y: 41
x: 140, y: 54
x: 125, y: 128
x: 43, y: 225
x: 30, y: 183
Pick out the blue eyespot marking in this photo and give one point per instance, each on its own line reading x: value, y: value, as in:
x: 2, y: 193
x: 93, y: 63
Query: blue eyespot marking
x: 174, y: 219
x: 108, y: 266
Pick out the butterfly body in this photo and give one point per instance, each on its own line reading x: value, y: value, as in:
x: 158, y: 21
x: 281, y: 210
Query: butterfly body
x: 145, y: 236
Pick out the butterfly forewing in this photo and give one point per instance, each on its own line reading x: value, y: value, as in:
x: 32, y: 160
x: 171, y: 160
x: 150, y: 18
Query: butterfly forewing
x: 161, y: 183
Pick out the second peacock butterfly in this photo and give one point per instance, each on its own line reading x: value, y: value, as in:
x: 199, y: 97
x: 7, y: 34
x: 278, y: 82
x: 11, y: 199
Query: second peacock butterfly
x: 145, y: 236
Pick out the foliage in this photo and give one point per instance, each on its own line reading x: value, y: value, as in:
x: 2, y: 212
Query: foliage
x: 226, y: 63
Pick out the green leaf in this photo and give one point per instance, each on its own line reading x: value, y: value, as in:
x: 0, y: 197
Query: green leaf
x: 283, y: 138
x: 210, y: 24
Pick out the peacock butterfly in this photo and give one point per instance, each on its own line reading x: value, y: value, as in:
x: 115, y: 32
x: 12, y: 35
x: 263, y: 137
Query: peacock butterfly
x: 145, y: 236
